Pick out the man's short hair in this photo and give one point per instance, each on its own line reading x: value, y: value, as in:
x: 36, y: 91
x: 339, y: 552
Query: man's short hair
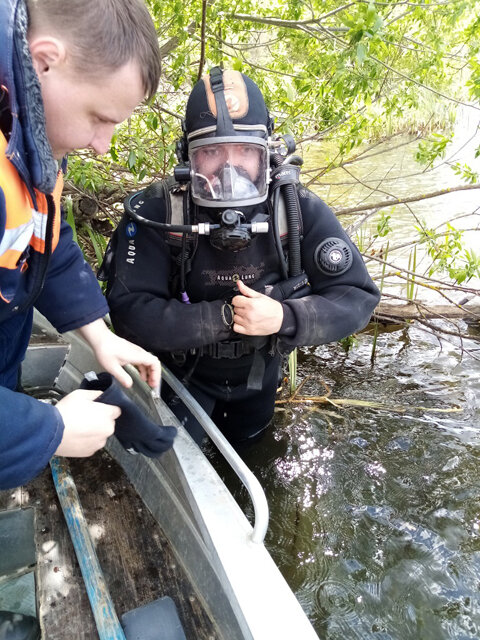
x: 102, y: 34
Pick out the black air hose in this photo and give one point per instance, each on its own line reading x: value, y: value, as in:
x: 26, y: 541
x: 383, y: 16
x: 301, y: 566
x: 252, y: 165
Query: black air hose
x: 289, y: 192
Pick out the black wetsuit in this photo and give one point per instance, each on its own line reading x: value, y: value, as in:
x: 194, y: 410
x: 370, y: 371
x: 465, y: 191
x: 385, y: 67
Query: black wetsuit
x: 147, y: 312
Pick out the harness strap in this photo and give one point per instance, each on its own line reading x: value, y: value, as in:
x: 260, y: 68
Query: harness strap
x: 224, y: 122
x: 257, y: 371
x: 230, y: 349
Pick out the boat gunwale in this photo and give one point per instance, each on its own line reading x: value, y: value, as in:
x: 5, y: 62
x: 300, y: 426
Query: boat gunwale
x: 236, y: 578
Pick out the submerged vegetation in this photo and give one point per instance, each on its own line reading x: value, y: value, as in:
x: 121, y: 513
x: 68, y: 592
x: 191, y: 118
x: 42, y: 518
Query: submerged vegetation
x: 355, y: 80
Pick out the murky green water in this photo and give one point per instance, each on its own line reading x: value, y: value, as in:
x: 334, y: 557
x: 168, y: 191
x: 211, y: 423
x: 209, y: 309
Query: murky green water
x: 375, y: 513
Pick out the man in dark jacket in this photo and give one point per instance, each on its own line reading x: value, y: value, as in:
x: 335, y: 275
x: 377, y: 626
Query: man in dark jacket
x: 220, y: 308
x: 69, y: 72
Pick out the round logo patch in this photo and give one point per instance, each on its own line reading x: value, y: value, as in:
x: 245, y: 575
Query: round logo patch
x: 131, y: 230
x: 333, y: 256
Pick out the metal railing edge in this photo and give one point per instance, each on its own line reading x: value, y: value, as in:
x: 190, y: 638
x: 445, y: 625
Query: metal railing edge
x: 248, y: 479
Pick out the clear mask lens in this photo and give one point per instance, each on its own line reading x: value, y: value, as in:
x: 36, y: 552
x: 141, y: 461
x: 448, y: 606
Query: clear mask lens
x: 229, y: 172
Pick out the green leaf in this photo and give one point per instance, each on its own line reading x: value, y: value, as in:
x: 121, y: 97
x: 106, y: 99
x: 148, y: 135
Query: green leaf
x: 68, y: 207
x: 132, y: 159
x: 361, y: 53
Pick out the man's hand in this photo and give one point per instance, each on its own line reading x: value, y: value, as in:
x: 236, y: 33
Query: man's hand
x: 88, y: 424
x: 254, y: 313
x: 113, y: 352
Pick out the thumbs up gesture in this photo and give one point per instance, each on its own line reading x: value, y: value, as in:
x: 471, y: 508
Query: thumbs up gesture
x: 255, y: 314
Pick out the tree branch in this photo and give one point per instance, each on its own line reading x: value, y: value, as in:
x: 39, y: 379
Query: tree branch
x: 391, y: 203
x: 173, y: 43
x: 202, y: 40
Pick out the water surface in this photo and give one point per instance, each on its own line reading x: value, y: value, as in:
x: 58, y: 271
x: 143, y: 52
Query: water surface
x: 375, y: 513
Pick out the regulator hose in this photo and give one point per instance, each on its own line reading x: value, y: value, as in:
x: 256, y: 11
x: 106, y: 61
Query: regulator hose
x: 289, y: 192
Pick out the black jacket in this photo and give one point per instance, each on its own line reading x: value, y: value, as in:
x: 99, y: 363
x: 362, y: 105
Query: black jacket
x: 145, y: 310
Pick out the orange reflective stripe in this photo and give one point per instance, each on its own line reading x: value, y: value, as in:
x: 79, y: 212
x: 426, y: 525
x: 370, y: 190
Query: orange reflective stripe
x: 13, y: 189
x: 10, y: 258
x: 13, y: 244
x: 56, y: 195
x: 57, y: 191
x: 37, y: 240
x: 24, y: 225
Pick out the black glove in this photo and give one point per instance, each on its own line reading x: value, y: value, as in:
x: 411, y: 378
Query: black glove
x: 133, y: 429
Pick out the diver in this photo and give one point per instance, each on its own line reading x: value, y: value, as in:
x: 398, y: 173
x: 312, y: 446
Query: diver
x: 231, y: 263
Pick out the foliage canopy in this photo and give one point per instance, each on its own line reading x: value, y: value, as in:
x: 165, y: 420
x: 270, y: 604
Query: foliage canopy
x: 343, y: 75
x: 326, y: 68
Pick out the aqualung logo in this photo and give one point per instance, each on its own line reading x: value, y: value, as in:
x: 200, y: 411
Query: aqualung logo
x: 335, y: 256
x: 247, y: 274
x: 131, y: 230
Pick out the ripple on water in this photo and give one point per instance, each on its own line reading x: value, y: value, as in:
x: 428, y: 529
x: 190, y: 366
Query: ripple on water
x: 337, y: 598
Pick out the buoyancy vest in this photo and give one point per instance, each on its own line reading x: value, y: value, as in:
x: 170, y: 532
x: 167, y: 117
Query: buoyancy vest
x: 31, y: 224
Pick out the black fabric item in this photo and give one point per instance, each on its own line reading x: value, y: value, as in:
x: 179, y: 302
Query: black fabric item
x: 255, y: 377
x: 15, y: 626
x: 133, y: 429
x: 294, y: 287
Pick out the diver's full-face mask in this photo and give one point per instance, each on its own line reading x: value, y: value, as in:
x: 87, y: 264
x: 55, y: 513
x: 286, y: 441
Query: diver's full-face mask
x: 224, y: 149
x: 229, y: 171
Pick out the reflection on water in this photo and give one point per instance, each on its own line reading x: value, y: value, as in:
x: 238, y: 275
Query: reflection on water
x: 375, y: 515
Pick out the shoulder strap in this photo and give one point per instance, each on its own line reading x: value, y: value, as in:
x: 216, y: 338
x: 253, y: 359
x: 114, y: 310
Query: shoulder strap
x: 182, y: 245
x: 174, y: 197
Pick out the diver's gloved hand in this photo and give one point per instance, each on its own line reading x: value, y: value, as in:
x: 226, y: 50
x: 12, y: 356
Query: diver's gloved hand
x: 294, y: 287
x: 133, y: 429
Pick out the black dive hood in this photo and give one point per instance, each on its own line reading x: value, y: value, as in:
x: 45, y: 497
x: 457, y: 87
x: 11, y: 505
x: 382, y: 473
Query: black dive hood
x: 224, y: 149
